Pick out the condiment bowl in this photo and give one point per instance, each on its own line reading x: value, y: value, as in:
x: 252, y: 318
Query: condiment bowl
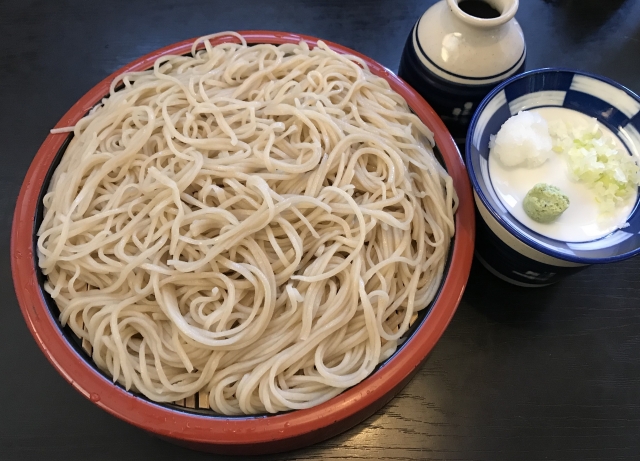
x: 505, y: 246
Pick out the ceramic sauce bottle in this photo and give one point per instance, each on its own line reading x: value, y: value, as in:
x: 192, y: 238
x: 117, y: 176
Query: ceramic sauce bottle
x: 458, y: 51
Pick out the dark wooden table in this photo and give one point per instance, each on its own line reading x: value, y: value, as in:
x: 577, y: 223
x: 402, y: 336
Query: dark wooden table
x: 520, y: 374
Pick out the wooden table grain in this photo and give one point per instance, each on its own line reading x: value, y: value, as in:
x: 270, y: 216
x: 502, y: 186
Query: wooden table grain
x: 520, y: 374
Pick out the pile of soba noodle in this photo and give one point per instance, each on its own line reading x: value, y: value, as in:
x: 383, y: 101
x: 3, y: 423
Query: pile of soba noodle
x: 256, y: 223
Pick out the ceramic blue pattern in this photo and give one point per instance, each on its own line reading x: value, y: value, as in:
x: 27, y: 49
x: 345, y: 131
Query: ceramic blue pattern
x: 453, y: 102
x: 612, y: 105
x: 454, y: 59
x: 635, y: 121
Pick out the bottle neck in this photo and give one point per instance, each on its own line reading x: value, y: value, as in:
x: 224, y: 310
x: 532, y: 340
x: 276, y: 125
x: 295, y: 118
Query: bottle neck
x: 506, y: 8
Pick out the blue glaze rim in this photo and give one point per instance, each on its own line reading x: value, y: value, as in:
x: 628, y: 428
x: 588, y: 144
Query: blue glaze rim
x: 478, y: 190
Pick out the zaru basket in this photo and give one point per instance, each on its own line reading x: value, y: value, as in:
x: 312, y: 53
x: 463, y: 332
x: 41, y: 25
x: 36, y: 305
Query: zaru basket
x: 191, y: 423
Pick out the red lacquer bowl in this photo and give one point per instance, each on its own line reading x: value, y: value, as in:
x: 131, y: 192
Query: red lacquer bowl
x: 246, y: 435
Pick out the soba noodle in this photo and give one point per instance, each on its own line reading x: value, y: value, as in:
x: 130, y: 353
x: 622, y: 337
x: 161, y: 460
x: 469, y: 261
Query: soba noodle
x: 259, y: 223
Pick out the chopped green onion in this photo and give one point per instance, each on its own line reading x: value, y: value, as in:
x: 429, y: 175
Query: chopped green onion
x: 594, y: 159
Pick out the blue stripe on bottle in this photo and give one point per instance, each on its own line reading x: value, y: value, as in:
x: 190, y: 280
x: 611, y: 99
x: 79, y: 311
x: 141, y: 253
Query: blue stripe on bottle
x: 447, y: 97
x: 414, y: 69
x: 489, y: 77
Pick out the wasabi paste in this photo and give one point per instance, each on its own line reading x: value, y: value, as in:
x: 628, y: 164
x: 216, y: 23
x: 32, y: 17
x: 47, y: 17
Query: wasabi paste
x: 544, y: 203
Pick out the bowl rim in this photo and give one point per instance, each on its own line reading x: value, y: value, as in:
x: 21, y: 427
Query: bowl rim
x: 240, y: 435
x: 523, y: 237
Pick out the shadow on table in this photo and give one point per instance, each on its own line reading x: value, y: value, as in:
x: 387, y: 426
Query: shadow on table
x: 506, y: 303
x: 579, y: 19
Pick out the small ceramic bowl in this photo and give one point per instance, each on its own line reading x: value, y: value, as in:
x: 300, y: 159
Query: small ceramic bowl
x: 508, y: 248
x: 198, y: 427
